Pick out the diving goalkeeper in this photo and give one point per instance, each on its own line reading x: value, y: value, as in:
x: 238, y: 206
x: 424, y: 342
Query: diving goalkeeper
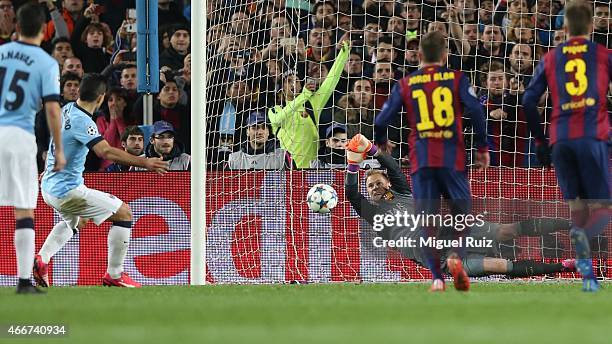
x: 390, y: 194
x: 297, y: 123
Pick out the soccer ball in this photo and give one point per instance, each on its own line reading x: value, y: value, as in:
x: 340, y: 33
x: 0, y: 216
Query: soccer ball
x: 322, y: 198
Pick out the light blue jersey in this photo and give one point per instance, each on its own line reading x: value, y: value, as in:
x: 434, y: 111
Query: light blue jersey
x: 79, y: 134
x: 28, y: 77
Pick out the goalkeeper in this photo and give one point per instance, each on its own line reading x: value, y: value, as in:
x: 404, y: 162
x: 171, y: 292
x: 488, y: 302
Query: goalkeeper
x: 297, y: 123
x: 390, y: 194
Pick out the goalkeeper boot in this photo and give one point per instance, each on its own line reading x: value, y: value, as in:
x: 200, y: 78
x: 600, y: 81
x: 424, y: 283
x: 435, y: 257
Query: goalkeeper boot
x: 437, y: 285
x: 123, y: 281
x: 41, y: 272
x: 569, y: 265
x: 460, y: 277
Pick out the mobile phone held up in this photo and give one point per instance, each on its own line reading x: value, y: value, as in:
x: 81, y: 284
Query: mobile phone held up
x: 131, y: 18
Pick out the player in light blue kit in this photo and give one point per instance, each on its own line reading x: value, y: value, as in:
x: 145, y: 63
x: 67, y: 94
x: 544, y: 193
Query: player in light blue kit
x: 29, y: 77
x: 66, y: 192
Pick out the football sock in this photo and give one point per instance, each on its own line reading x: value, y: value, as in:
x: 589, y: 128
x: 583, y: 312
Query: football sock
x: 24, y: 248
x: 580, y: 241
x: 579, y: 216
x: 597, y: 222
x: 118, y: 242
x: 542, y: 226
x: 526, y: 268
x: 58, y: 237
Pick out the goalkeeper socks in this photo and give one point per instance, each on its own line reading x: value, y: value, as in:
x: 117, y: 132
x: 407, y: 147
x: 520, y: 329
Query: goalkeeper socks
x: 24, y: 248
x: 526, y: 268
x: 118, y: 242
x: 542, y: 226
x: 58, y: 237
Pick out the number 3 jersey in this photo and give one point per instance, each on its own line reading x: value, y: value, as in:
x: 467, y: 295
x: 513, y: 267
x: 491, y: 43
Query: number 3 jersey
x: 435, y: 100
x: 577, y: 74
x: 27, y: 75
x: 79, y: 135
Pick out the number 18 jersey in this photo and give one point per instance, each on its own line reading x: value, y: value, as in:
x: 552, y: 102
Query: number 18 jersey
x: 435, y: 99
x: 577, y: 74
x: 28, y: 77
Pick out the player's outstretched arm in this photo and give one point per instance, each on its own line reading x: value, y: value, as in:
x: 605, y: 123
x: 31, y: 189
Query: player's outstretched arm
x: 389, y: 111
x: 54, y: 120
x: 362, y: 205
x: 325, y: 91
x: 106, y: 152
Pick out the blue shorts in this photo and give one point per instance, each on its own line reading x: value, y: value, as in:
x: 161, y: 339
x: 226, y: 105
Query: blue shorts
x: 429, y: 184
x: 582, y: 168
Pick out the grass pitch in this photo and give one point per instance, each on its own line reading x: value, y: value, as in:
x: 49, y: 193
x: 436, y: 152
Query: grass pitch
x: 334, y: 313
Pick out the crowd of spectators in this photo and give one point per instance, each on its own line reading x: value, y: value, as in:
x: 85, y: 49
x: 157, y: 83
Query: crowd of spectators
x: 275, y: 56
x: 289, y: 81
x: 99, y: 37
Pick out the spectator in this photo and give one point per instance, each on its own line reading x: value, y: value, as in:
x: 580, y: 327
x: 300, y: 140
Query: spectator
x: 352, y: 71
x: 129, y: 78
x: 113, y: 121
x: 601, y: 24
x: 7, y: 21
x: 492, y: 46
x: 485, y: 12
x: 507, y: 134
x: 71, y: 13
x: 61, y: 50
x: 412, y: 12
x: 558, y: 37
x: 174, y: 56
x: 320, y: 44
x: 522, y: 30
x: 169, y: 13
x: 385, y: 51
x: 167, y: 108
x: 372, y: 33
x: 163, y: 144
x: 397, y: 28
x: 357, y: 110
x: 89, y: 41
x: 73, y: 65
x: 521, y: 63
x: 333, y: 154
x: 411, y: 57
x: 383, y: 78
x: 69, y: 86
x: 260, y: 152
x: 543, y: 19
x: 132, y: 141
x: 297, y: 123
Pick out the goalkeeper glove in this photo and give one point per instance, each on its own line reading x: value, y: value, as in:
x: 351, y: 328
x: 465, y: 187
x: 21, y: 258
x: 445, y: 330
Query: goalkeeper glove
x: 360, y: 144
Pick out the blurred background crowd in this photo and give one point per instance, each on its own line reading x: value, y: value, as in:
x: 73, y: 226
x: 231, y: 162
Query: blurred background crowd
x: 264, y: 58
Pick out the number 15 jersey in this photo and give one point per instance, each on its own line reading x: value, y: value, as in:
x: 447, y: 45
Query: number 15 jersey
x: 28, y: 77
x: 435, y: 100
x: 577, y: 74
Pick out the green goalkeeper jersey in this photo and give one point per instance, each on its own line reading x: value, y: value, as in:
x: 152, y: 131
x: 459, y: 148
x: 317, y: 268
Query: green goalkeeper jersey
x: 299, y: 135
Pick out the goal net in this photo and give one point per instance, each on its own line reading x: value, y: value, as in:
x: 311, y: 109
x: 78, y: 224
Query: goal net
x: 267, y: 146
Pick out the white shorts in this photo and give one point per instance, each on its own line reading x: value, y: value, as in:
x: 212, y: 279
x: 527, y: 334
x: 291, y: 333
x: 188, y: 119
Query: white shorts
x: 18, y: 169
x: 83, y: 202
